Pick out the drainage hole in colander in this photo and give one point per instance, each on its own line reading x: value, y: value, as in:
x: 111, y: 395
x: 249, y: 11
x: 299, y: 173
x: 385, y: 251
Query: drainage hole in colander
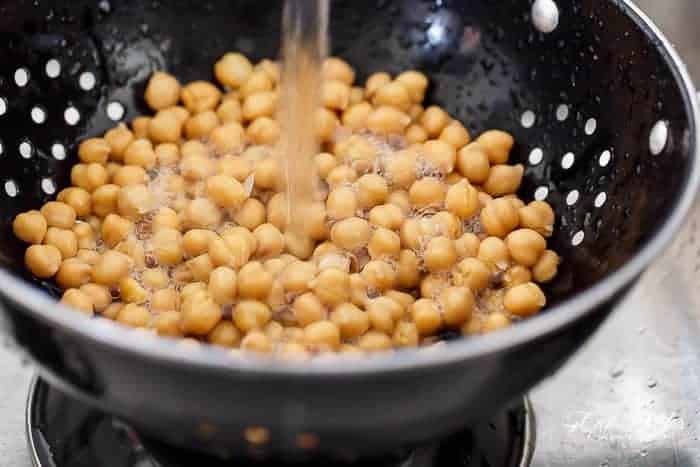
x: 591, y: 126
x: 71, y: 116
x: 577, y: 239
x: 48, y: 186
x: 53, y: 68
x: 605, y: 157
x: 600, y: 199
x: 567, y: 161
x: 38, y: 115
x: 87, y: 81
x: 536, y: 156
x: 541, y: 193
x: 26, y: 149
x: 572, y: 197
x: 11, y: 188
x: 21, y: 77
x: 58, y: 151
x: 115, y: 111
x: 3, y: 105
x: 528, y: 119
x: 562, y: 112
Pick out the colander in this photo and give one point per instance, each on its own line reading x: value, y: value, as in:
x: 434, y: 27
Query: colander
x: 605, y: 119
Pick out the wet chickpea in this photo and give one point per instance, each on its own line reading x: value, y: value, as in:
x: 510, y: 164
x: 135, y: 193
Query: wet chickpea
x: 499, y: 217
x: 394, y: 94
x: 115, y: 229
x: 30, y: 227
x: 402, y: 298
x: 131, y: 291
x: 426, y: 316
x: 88, y: 256
x: 200, y: 125
x: 457, y: 304
x: 516, y: 275
x: 235, y: 167
x: 227, y: 137
x: 99, y: 294
x: 139, y: 127
x: 233, y: 69
x: 162, y: 90
x: 140, y: 152
x: 382, y: 312
x: 415, y: 82
x: 525, y: 246
x: 251, y: 214
x: 497, y: 145
x: 94, y: 150
x: 118, y: 139
x: 503, y: 179
x: 196, y: 241
x: 258, y: 81
x: 493, y: 250
x: 351, y: 234
x: 341, y: 175
x: 322, y: 335
x: 433, y: 284
x: 428, y: 191
x: 165, y: 217
x: 134, y: 201
x: 199, y: 314
x: 467, y: 245
x: 261, y: 104
x: 276, y: 211
x: 234, y: 251
x: 64, y: 240
x: 200, y: 96
x: 165, y: 127
x: 229, y: 111
x: 376, y: 81
x: 77, y: 198
x: 495, y: 322
x: 133, y: 315
x: 538, y: 216
x: 406, y: 335
x: 379, y: 275
x: 254, y: 281
x: 326, y: 123
x: 167, y: 323
x: 401, y: 199
x: 388, y: 216
x: 43, y: 260
x: 524, y: 300
x: 440, y: 155
x: 155, y: 278
x: 164, y: 299
x: 104, y: 200
x: 166, y: 245
x: 443, y: 223
x: 325, y: 162
x: 201, y: 213
x: 267, y: 174
x: 335, y: 95
x: 351, y: 320
x: 297, y: 276
x: 112, y: 310
x: 129, y: 175
x: 251, y: 314
x: 59, y: 215
x: 374, y: 341
x: 356, y: 115
x: 270, y: 240
x: 92, y: 176
x: 226, y: 191
x: 462, y: 200
x: 225, y: 334
x: 546, y: 267
x: 455, y: 134
x: 434, y: 120
x: 264, y: 130
x: 440, y: 254
x: 385, y: 120
x: 85, y: 235
x: 256, y: 341
x: 73, y: 273
x: 307, y: 309
x: 338, y: 69
x: 401, y: 169
x: 78, y: 300
x: 473, y: 162
x: 416, y: 134
x: 223, y: 285
x: 331, y: 286
x: 201, y: 267
x: 384, y: 243
x: 372, y: 190
x: 473, y: 273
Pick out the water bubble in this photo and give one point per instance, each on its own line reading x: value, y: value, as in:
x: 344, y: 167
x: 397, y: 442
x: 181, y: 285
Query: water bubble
x: 562, y: 112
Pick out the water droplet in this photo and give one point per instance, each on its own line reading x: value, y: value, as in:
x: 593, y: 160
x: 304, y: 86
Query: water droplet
x: 605, y: 463
x: 617, y: 372
x: 643, y: 453
x: 651, y: 383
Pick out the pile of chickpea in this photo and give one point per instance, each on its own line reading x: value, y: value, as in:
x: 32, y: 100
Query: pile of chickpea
x: 177, y: 224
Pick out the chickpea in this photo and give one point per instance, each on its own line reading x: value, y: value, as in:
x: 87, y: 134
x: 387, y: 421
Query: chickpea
x: 525, y: 246
x: 110, y: 268
x: 331, y: 286
x: 226, y: 191
x: 89, y: 176
x: 270, y: 240
x: 428, y: 191
x: 341, y: 175
x: 90, y: 257
x: 356, y: 115
x: 64, y: 240
x: 260, y: 104
x: 493, y: 250
x: 227, y: 138
x: 271, y: 68
x: 467, y: 245
x: 133, y: 248
x: 235, y: 167
x: 440, y: 254
x: 43, y: 260
x: 30, y: 227
x: 394, y: 94
x: 264, y: 130
x: 258, y: 81
x: 201, y: 267
x: 165, y: 127
x: 129, y: 175
x: 324, y: 163
x: 251, y: 314
x: 381, y: 313
x: 524, y: 300
x: 434, y: 120
x: 115, y: 229
x: 165, y: 217
x: 473, y: 162
x: 426, y: 316
x: 415, y: 82
x: 229, y: 111
x: 99, y: 294
x: 163, y: 90
x: 167, y: 246
x: 155, y: 278
x: 225, y: 334
x: 139, y: 126
x: 401, y: 168
x: 233, y: 251
x: 326, y: 123
x: 140, y: 152
x: 379, y: 275
x: 416, y: 134
x: 351, y: 234
x: 497, y: 145
x: 433, y: 284
x: 118, y: 139
x: 499, y: 217
x: 374, y: 341
x: 134, y: 201
x: 300, y: 246
x: 457, y: 304
x: 134, y: 315
x: 322, y: 335
x: 462, y: 200
x: 376, y: 81
x: 455, y: 134
x: 335, y: 95
x: 167, y: 323
x: 104, y: 200
x: 164, y: 299
x: 503, y: 179
x: 372, y: 190
x: 201, y: 213
x: 406, y: 335
x: 201, y: 124
x: 233, y: 69
x: 251, y: 214
x: 297, y: 276
x: 538, y: 216
x: 78, y: 300
x: 196, y: 241
x: 131, y: 291
x: 411, y: 234
x: 78, y: 199
x: 254, y: 281
x: 473, y: 273
x: 546, y: 267
x: 307, y: 309
x: 277, y: 211
x: 58, y: 214
x: 440, y: 155
x: 73, y: 273
x: 385, y: 120
x: 388, y: 216
x: 495, y: 322
x: 112, y: 310
x: 516, y: 275
x: 337, y: 69
x: 94, y: 150
x: 199, y: 315
x: 200, y: 96
x: 256, y: 341
x: 383, y: 243
x: 267, y: 174
x: 351, y: 321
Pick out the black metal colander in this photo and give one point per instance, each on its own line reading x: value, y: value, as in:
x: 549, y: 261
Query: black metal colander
x: 582, y: 102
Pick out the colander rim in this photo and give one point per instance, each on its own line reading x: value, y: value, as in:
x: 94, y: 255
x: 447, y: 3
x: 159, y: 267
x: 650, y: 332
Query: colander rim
x: 169, y: 351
